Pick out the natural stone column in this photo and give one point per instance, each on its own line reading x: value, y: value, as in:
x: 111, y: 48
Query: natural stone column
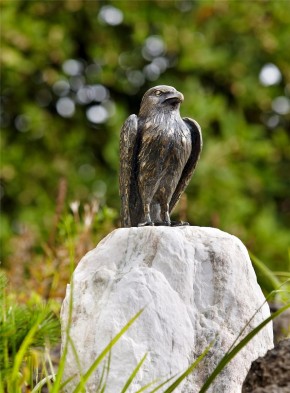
x: 196, y: 284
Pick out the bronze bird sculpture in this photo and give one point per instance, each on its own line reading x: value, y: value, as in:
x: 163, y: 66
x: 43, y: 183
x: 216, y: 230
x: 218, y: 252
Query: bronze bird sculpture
x: 158, y: 154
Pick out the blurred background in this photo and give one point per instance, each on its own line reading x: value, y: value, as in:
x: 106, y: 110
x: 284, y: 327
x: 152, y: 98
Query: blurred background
x: 72, y: 71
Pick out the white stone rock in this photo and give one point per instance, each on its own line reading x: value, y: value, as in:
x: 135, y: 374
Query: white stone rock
x: 196, y: 284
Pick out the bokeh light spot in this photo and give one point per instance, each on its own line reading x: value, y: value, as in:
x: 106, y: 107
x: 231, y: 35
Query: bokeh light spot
x: 97, y: 114
x: 111, y: 15
x: 152, y: 72
x: 85, y: 95
x: 273, y: 121
x: 281, y: 105
x: 161, y: 62
x: 72, y: 67
x: 136, y: 78
x: 154, y: 46
x: 65, y: 107
x: 100, y: 93
x: 270, y: 75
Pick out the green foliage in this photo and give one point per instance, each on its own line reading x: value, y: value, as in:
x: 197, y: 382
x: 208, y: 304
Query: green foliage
x: 24, y: 332
x: 276, y: 283
x: 213, y: 51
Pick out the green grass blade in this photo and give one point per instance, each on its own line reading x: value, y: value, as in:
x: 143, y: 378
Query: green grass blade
x: 57, y: 383
x: 42, y: 383
x: 48, y: 376
x: 265, y: 271
x: 250, y: 320
x: 4, y: 311
x: 47, y: 358
x: 133, y: 375
x: 79, y: 367
x: 58, y: 379
x: 162, y: 384
x: 283, y: 274
x: 60, y: 385
x: 104, y: 376
x: 95, y: 364
x: 270, y: 295
x: 100, y: 386
x: 103, y: 389
x: 189, y: 370
x: 107, y: 371
x: 66, y: 382
x: 182, y: 377
x: 229, y: 356
x: 147, y: 386
x: 75, y: 354
x: 28, y: 340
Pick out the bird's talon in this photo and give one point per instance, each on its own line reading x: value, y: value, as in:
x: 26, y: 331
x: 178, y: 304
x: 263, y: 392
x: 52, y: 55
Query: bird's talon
x: 179, y: 223
x: 184, y: 223
x: 162, y: 223
x: 146, y: 224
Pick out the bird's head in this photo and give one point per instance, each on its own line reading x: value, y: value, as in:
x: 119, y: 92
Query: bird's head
x: 162, y: 99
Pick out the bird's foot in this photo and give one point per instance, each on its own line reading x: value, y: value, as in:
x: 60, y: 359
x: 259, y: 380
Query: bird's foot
x: 162, y: 223
x: 179, y: 223
x: 146, y: 224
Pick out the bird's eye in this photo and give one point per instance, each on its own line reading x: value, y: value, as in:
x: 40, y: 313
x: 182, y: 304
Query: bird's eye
x: 158, y: 92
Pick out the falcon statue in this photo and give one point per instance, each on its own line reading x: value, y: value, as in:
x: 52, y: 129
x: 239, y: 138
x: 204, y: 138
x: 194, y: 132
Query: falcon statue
x: 158, y: 154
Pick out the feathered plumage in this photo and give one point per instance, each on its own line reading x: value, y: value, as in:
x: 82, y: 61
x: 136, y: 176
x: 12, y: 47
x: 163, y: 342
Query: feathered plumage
x: 158, y: 154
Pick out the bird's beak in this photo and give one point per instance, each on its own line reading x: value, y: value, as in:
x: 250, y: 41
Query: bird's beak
x: 174, y: 98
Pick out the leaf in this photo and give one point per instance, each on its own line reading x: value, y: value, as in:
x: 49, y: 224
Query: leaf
x: 275, y: 282
x: 42, y: 383
x: 133, y: 375
x: 28, y: 340
x: 189, y: 370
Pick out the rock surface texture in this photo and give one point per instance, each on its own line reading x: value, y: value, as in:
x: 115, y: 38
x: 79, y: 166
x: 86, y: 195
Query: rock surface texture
x: 196, y: 284
x: 271, y: 373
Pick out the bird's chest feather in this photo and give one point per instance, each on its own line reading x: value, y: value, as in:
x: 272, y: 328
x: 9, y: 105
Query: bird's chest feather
x: 166, y: 139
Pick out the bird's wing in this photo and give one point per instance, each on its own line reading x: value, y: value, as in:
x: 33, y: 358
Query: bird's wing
x: 196, y: 140
x: 127, y: 146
